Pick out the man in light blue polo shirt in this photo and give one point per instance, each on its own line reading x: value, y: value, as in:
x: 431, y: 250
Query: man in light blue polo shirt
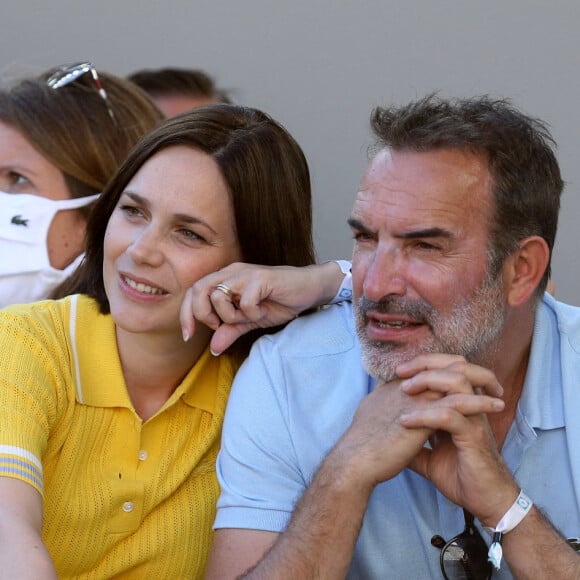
x: 432, y: 428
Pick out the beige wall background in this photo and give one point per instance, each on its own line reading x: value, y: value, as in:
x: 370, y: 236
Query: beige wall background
x: 319, y: 66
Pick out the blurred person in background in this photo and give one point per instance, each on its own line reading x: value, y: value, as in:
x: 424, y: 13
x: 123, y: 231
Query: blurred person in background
x: 63, y: 134
x: 176, y: 90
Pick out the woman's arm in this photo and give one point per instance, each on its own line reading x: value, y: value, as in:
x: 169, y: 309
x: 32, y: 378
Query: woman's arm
x: 260, y: 297
x: 22, y: 553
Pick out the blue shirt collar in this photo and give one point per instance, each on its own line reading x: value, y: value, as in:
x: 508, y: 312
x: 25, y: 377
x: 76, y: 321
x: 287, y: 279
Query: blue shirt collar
x: 541, y: 403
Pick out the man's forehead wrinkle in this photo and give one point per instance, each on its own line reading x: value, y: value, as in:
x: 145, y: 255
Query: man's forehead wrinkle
x: 417, y: 193
x: 377, y: 212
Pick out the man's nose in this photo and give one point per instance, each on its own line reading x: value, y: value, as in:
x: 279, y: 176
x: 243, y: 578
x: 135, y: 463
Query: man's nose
x: 385, y: 275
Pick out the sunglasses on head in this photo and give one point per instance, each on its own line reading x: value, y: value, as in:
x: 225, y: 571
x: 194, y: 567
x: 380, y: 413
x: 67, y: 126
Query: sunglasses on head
x: 464, y: 557
x: 67, y: 74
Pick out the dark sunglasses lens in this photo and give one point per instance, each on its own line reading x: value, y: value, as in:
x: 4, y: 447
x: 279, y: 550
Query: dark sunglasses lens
x: 575, y: 543
x: 465, y: 558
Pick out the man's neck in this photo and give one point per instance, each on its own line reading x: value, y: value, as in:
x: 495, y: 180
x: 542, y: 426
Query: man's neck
x: 510, y: 366
x: 501, y: 422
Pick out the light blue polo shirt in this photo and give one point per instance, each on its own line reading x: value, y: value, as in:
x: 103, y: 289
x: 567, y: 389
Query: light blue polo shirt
x: 296, y: 395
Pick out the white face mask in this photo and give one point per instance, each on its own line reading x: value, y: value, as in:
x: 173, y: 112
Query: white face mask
x: 25, y: 271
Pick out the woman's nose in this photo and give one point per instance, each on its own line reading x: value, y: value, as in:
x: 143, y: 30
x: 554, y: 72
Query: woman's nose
x: 146, y: 248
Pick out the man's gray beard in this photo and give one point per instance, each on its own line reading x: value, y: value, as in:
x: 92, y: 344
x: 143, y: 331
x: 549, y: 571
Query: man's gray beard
x: 471, y: 329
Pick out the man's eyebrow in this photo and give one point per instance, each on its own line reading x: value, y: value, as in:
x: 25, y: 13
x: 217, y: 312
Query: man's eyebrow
x: 426, y: 233
x: 357, y: 225
x: 434, y: 232
x: 182, y: 217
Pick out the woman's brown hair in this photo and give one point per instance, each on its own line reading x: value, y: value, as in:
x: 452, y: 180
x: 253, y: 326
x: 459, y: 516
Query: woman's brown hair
x: 71, y: 126
x: 267, y: 178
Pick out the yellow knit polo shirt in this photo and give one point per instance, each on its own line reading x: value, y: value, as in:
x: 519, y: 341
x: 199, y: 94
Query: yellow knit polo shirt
x: 121, y: 497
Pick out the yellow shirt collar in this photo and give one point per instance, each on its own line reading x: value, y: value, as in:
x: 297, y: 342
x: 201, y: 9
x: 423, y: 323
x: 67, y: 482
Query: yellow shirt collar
x: 99, y: 375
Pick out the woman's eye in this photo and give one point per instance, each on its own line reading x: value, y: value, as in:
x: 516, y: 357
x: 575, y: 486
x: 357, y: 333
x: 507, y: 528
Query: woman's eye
x: 12, y: 181
x: 190, y: 234
x: 17, y: 178
x: 130, y: 210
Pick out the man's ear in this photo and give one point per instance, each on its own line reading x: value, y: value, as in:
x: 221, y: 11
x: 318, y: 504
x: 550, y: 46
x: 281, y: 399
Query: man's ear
x: 524, y: 268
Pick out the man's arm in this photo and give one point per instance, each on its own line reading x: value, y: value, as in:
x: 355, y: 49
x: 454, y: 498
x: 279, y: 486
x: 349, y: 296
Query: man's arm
x: 534, y: 549
x: 320, y: 539
x: 235, y: 551
x: 22, y: 553
x: 318, y: 543
x: 466, y: 466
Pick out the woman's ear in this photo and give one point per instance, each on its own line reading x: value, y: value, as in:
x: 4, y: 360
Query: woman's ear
x: 524, y: 268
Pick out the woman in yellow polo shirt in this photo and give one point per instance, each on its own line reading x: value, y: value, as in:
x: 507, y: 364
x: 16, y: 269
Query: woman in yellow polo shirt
x: 109, y: 416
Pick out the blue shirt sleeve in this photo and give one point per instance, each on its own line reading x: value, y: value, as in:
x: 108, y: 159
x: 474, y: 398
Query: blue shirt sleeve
x: 256, y: 466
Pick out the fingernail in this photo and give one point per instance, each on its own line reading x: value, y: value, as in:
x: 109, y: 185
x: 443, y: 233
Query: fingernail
x: 185, y: 335
x: 214, y: 353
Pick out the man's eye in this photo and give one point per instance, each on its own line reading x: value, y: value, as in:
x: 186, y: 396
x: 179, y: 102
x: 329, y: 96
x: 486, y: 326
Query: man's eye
x: 422, y: 245
x: 363, y: 236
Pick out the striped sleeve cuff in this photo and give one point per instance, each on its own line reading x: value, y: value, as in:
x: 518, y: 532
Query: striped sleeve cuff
x: 19, y: 463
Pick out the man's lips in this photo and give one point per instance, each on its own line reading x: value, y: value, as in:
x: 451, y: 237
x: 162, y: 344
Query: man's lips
x: 395, y: 321
x: 392, y: 327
